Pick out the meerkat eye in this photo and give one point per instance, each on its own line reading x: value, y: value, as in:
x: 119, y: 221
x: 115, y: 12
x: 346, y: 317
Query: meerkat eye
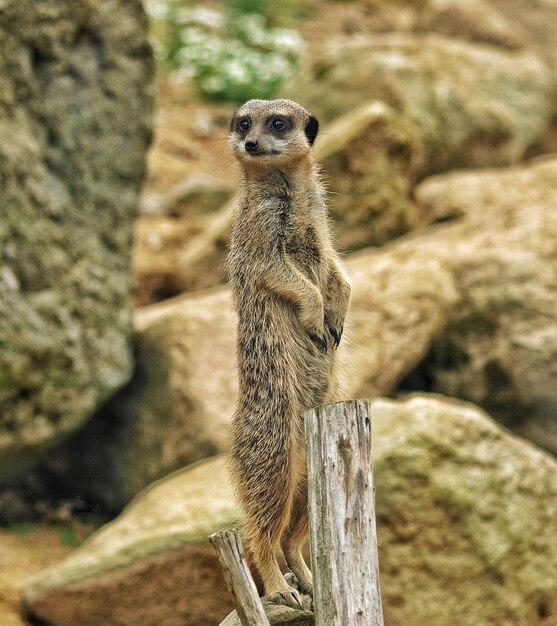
x: 244, y: 125
x: 280, y: 124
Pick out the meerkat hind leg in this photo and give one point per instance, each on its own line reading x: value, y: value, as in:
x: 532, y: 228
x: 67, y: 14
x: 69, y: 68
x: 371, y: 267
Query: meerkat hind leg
x: 293, y: 539
x: 277, y: 588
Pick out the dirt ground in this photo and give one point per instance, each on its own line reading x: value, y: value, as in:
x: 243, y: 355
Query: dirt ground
x: 189, y: 138
x: 25, y: 550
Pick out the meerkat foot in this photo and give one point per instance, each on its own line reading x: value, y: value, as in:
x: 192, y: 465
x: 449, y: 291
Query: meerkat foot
x: 291, y: 580
x: 305, y: 587
x: 290, y: 597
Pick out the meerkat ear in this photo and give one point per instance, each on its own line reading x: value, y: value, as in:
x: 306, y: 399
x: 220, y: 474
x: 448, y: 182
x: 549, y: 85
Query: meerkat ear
x: 311, y: 129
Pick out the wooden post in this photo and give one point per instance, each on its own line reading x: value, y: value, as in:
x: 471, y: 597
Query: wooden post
x: 342, y: 515
x: 228, y: 546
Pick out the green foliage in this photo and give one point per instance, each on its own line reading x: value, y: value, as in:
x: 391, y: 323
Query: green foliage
x: 284, y: 13
x: 68, y: 537
x: 229, y: 56
x: 23, y: 529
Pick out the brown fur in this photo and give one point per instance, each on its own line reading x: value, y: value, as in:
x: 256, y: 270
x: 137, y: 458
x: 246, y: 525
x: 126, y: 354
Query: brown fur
x: 291, y: 296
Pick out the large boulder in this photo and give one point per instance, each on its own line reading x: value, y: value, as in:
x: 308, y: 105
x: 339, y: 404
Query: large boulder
x: 174, y: 411
x: 153, y: 565
x: 75, y: 103
x: 369, y: 158
x: 471, y: 104
x: 499, y: 349
x: 466, y: 512
x: 466, y: 515
x: 178, y: 405
x: 473, y: 20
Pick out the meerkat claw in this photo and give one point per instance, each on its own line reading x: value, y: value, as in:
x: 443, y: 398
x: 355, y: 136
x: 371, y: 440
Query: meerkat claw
x: 320, y: 342
x: 291, y: 598
x: 291, y: 580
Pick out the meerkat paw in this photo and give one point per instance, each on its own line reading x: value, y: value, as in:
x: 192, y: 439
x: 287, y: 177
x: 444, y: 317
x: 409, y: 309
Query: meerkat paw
x: 290, y: 597
x: 305, y: 587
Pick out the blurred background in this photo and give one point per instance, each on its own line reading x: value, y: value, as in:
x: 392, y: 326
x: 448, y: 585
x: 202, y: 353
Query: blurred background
x: 438, y: 141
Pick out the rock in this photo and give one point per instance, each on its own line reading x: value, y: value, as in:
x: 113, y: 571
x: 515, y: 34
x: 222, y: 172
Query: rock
x: 157, y: 269
x: 538, y: 18
x: 75, y: 104
x: 152, y: 566
x: 499, y: 349
x: 171, y: 223
x: 177, y: 407
x: 472, y: 20
x: 195, y: 195
x: 173, y: 255
x: 174, y: 411
x: 369, y: 156
x: 470, y: 104
x: 467, y: 518
x: 400, y: 302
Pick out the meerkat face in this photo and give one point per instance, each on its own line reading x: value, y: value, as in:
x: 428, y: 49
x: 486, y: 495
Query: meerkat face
x: 272, y: 132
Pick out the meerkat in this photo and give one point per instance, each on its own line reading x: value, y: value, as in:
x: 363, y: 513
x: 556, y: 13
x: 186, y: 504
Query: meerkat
x: 291, y: 296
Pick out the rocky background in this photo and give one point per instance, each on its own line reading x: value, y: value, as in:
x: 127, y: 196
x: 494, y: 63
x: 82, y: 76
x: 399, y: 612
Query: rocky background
x: 439, y: 143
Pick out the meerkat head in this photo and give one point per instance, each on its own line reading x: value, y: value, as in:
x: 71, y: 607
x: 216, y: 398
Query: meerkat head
x: 272, y: 132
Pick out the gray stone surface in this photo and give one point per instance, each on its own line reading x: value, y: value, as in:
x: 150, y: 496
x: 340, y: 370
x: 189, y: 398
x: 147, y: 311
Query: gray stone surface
x: 75, y: 105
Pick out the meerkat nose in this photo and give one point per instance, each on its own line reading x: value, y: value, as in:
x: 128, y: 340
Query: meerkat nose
x: 251, y: 145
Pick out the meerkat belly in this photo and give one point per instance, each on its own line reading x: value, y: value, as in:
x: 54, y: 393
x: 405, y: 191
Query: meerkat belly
x: 277, y: 358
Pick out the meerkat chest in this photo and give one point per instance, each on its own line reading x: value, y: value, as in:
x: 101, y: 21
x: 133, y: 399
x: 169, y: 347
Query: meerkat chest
x: 304, y: 248
x: 302, y: 244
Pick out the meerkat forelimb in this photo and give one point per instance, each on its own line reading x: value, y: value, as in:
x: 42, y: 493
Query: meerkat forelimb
x: 291, y: 296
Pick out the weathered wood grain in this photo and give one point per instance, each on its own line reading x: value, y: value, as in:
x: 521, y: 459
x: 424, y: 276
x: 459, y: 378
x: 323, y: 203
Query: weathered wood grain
x: 228, y: 546
x: 342, y: 515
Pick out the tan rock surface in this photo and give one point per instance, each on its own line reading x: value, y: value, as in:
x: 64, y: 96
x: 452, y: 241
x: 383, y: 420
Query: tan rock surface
x: 369, y: 156
x: 467, y: 518
x: 153, y: 565
x: 471, y: 104
x: 178, y: 405
x: 500, y: 348
x: 473, y: 20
